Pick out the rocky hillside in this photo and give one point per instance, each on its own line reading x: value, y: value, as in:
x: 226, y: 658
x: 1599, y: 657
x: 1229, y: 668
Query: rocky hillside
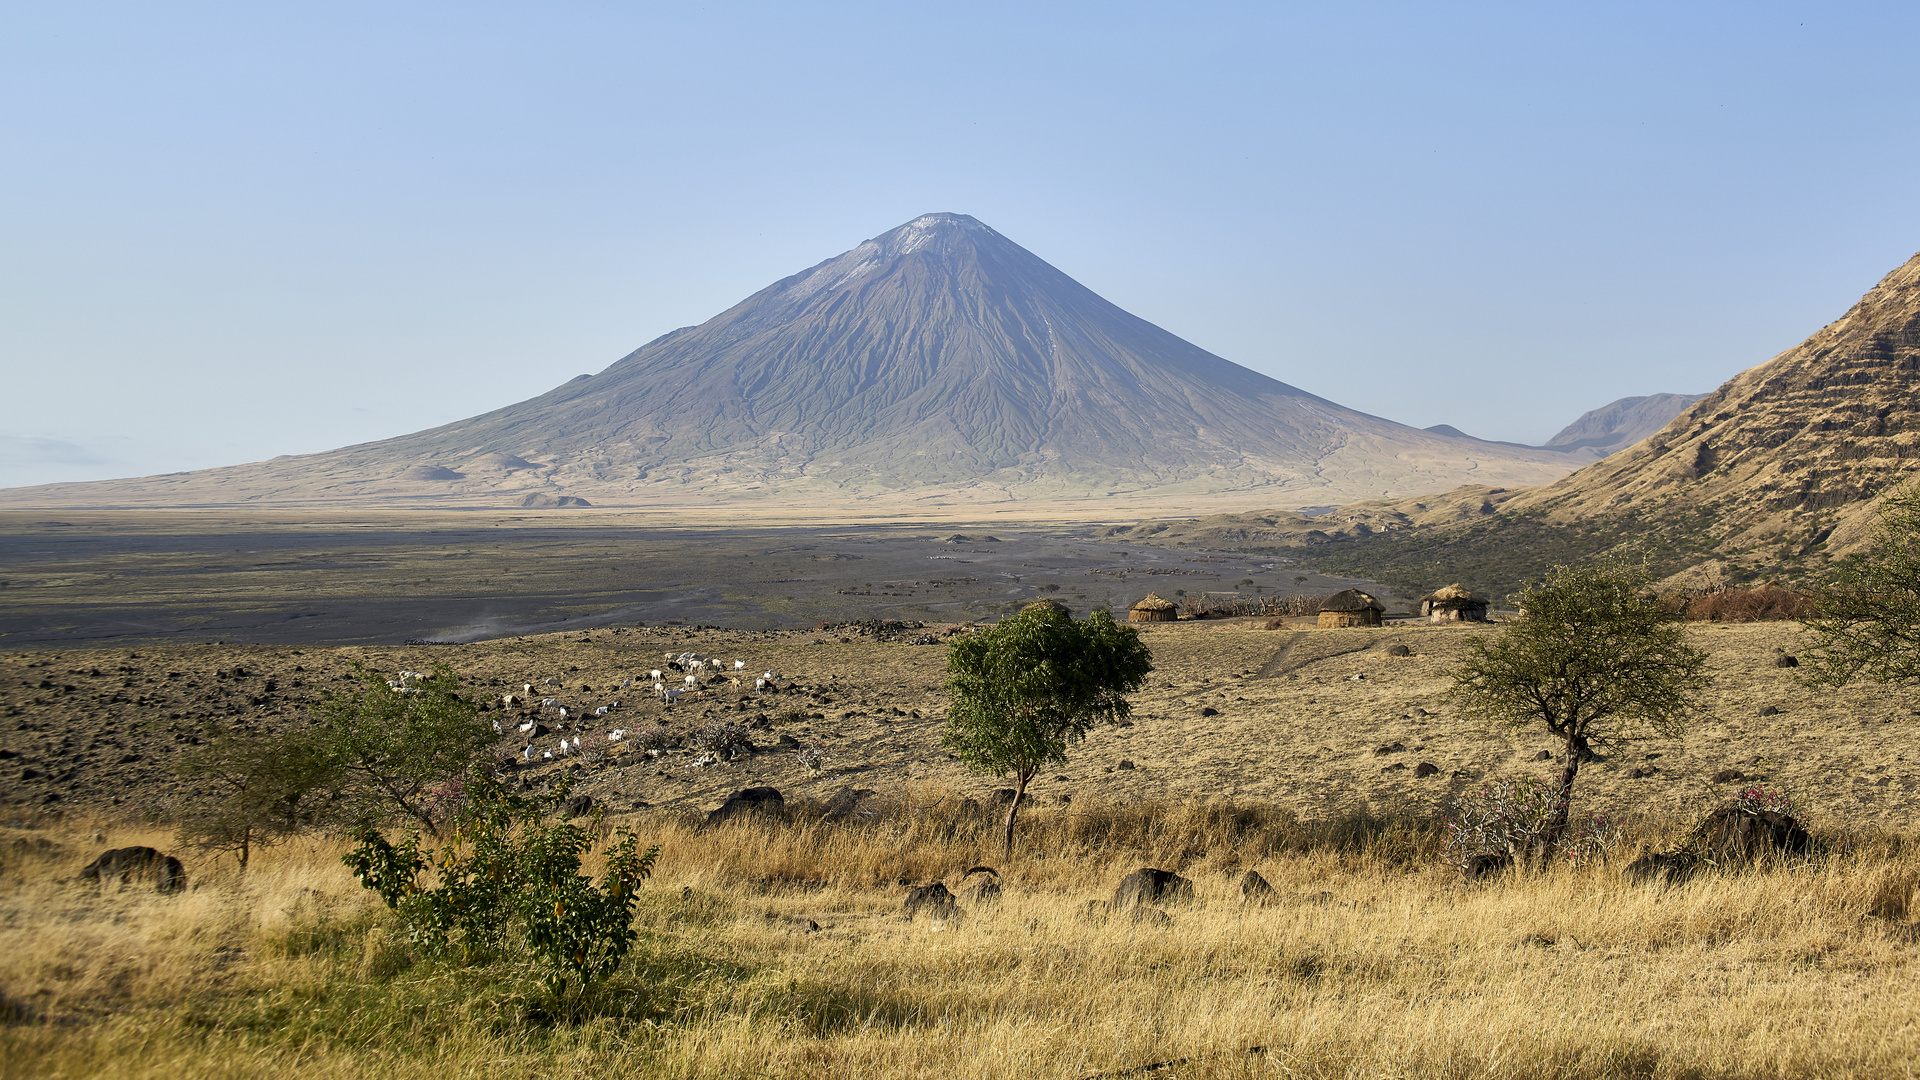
x: 1769, y: 475
x: 937, y: 364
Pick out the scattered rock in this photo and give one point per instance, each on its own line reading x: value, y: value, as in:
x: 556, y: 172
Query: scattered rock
x: 1152, y: 918
x: 1769, y: 710
x: 1786, y: 660
x: 1003, y: 796
x: 748, y: 802
x: 1639, y: 772
x: 981, y: 893
x: 1399, y: 650
x: 1254, y: 890
x: 1208, y: 710
x: 1544, y: 755
x: 852, y: 802
x: 1482, y: 867
x: 1398, y: 766
x: 932, y: 901
x: 125, y: 863
x: 1150, y: 886
x: 1732, y: 833
x: 1390, y: 748
x: 579, y: 806
x: 1728, y: 776
x: 1125, y: 764
x: 1665, y: 867
x: 1426, y: 769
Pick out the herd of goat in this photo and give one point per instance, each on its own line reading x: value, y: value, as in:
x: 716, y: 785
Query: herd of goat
x: 689, y: 672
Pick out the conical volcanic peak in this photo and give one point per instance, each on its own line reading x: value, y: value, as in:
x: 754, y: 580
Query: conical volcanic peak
x: 938, y: 363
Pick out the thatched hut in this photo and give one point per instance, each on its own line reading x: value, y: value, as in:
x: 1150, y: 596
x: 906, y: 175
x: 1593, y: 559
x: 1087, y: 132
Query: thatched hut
x: 1454, y: 604
x: 1152, y: 608
x: 1349, y: 608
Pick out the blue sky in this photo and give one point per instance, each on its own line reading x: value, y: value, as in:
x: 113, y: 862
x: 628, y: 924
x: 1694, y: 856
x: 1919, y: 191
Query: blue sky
x: 234, y: 231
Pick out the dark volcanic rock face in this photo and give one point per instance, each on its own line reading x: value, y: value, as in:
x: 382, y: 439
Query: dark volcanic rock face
x: 939, y: 356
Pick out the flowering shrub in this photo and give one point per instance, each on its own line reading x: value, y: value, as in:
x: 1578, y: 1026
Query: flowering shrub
x: 724, y: 739
x: 1510, y: 816
x: 1756, y: 799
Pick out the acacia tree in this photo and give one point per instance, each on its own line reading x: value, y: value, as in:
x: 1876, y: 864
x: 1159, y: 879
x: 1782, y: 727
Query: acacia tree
x: 255, y: 789
x: 395, y: 746
x: 1037, y: 681
x: 1593, y: 658
x: 1867, y: 620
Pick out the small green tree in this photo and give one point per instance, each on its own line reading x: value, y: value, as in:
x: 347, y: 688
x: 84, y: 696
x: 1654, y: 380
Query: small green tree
x: 255, y: 788
x: 1025, y: 689
x: 1866, y: 622
x: 1594, y: 659
x: 510, y: 880
x: 395, y: 746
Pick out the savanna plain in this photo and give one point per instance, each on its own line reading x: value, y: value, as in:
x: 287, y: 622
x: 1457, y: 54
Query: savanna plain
x: 779, y: 947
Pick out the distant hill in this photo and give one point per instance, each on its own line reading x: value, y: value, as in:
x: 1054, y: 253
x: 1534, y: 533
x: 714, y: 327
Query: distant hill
x: 1772, y: 474
x: 1621, y: 424
x: 936, y: 365
x: 1601, y: 431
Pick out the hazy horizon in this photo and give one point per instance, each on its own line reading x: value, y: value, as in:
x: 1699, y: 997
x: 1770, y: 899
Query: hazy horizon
x: 240, y: 233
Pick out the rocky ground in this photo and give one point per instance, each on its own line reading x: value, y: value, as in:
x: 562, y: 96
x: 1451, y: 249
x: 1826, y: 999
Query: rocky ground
x: 1318, y: 721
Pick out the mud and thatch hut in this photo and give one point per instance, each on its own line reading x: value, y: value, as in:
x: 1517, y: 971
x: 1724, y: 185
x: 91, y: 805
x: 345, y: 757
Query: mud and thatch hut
x: 1349, y: 608
x: 1152, y: 608
x: 1454, y: 604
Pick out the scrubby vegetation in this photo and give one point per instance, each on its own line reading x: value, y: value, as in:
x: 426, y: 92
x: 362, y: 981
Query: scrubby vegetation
x: 1373, y: 959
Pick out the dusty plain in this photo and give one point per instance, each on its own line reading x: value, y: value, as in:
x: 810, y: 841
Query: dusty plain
x: 138, y: 577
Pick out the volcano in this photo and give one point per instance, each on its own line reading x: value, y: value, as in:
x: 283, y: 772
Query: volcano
x: 938, y: 364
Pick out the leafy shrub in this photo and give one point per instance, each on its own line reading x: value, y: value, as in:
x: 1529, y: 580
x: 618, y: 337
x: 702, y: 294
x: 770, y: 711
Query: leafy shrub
x: 509, y: 881
x: 1513, y: 817
x: 724, y: 739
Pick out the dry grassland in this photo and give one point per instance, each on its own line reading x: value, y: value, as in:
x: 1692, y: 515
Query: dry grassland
x: 1376, y: 961
x: 1373, y: 963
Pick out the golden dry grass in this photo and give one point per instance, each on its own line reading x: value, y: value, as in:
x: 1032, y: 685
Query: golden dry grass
x: 1374, y: 962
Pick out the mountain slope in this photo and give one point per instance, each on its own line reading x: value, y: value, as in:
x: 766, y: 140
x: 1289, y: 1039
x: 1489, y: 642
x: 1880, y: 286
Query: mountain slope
x: 1770, y: 475
x: 936, y: 363
x: 1620, y: 424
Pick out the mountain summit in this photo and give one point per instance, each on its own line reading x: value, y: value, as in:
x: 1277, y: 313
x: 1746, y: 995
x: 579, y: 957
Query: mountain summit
x: 936, y: 364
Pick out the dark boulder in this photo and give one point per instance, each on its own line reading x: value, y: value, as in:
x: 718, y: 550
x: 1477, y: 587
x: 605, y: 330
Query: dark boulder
x: 1662, y: 868
x: 750, y: 802
x: 1254, y: 890
x: 1544, y: 755
x: 1786, y: 660
x: 122, y: 864
x: 579, y: 806
x: 981, y: 893
x: 932, y: 901
x: 861, y: 803
x: 1733, y: 833
x: 1483, y: 867
x: 1426, y: 769
x: 1399, y: 650
x: 1151, y: 918
x: 1150, y: 886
